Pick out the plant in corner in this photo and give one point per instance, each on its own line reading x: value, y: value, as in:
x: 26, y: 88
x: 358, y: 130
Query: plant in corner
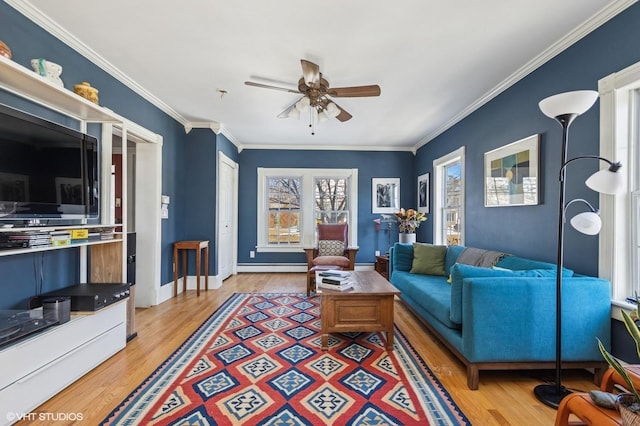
x: 627, y: 401
x: 409, y: 220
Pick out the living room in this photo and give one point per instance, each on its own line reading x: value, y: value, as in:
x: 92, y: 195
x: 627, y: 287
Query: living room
x: 189, y: 167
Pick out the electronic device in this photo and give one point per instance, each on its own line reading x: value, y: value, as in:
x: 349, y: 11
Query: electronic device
x: 48, y: 172
x: 92, y: 296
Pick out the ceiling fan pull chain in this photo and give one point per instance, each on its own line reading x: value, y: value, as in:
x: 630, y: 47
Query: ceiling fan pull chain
x: 312, y: 122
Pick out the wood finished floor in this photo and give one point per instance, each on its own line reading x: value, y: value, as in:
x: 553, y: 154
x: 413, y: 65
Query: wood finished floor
x: 504, y: 398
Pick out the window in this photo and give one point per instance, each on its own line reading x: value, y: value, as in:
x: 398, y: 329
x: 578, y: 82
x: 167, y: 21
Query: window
x: 449, y: 198
x: 291, y: 202
x: 619, y: 244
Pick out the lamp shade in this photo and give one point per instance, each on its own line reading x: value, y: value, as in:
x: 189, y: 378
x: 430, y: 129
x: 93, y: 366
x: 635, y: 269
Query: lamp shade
x: 606, y: 182
x: 568, y: 103
x: 588, y: 223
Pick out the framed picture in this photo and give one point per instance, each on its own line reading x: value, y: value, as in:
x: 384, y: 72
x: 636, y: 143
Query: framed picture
x: 511, y: 174
x: 385, y: 197
x: 423, y: 193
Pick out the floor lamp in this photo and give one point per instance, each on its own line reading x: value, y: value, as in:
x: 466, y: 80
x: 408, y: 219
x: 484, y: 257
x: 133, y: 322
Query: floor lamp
x: 564, y: 108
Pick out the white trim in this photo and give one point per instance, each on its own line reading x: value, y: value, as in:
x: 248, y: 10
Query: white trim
x: 606, y: 13
x: 438, y: 193
x: 615, y: 261
x: 333, y: 147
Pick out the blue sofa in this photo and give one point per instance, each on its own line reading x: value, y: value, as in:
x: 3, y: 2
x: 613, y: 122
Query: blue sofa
x: 503, y: 317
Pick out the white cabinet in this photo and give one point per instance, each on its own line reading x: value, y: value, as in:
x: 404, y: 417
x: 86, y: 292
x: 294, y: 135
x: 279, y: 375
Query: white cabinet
x: 38, y: 367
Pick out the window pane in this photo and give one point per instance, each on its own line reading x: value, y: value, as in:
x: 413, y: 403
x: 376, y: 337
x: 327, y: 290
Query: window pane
x: 453, y: 202
x: 331, y: 200
x: 284, y: 210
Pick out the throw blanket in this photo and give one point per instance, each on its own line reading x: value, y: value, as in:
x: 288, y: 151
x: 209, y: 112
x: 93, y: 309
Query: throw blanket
x: 480, y: 257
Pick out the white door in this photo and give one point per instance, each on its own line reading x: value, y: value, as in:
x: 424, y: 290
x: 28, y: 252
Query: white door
x: 227, y: 214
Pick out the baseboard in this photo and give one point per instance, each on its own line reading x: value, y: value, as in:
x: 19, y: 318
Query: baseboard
x: 287, y: 267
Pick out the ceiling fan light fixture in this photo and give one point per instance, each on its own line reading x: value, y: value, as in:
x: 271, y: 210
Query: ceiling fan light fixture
x: 294, y: 113
x: 303, y: 104
x: 323, y: 116
x: 332, y: 110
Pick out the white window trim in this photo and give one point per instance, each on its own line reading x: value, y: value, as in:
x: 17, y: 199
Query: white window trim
x: 616, y: 144
x: 307, y: 204
x: 438, y: 186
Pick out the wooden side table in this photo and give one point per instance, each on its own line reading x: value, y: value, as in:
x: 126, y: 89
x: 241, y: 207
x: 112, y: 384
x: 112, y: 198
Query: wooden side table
x: 382, y: 265
x: 199, y: 247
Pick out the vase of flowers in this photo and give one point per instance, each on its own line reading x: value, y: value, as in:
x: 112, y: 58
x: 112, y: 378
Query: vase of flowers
x: 408, y: 221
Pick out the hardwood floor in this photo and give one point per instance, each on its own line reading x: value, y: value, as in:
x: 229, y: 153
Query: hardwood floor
x: 504, y: 398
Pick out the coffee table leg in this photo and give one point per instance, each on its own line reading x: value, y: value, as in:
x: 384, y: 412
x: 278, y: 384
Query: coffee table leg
x: 325, y: 342
x: 390, y: 340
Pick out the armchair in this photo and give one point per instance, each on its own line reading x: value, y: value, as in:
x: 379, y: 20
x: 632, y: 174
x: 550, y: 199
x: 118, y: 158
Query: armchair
x: 331, y: 252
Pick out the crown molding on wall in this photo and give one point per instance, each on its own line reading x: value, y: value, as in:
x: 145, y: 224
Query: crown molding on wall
x: 333, y: 148
x: 605, y: 14
x: 52, y: 27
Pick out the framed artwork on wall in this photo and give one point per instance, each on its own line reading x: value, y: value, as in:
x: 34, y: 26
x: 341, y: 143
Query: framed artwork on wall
x: 423, y: 193
x: 385, y: 197
x: 511, y: 174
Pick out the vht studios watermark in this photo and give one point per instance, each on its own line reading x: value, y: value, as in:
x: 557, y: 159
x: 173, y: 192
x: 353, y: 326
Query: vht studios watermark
x: 44, y: 416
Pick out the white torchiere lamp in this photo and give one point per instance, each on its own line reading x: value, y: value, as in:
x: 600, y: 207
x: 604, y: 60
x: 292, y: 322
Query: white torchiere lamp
x: 564, y: 108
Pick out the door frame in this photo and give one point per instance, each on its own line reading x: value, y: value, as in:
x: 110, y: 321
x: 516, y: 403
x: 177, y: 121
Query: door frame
x: 223, y: 159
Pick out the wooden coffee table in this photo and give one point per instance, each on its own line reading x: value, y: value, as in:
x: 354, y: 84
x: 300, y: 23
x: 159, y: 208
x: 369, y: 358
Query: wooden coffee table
x: 368, y: 306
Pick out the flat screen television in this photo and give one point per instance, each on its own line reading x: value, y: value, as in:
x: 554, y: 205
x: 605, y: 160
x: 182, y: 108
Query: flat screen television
x: 48, y: 172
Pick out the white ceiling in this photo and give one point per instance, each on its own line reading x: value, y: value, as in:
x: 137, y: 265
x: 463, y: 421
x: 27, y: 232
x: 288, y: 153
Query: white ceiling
x: 434, y: 61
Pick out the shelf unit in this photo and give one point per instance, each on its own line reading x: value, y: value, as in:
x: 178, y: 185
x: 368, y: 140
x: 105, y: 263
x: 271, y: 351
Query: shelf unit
x: 53, y: 359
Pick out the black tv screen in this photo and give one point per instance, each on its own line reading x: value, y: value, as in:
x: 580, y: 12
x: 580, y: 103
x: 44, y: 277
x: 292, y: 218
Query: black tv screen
x: 47, y: 171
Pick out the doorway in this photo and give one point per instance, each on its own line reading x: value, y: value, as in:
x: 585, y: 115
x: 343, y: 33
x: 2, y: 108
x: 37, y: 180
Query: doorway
x: 135, y: 164
x: 227, y: 217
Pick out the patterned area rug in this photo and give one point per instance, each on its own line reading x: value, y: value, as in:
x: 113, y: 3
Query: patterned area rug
x: 257, y: 361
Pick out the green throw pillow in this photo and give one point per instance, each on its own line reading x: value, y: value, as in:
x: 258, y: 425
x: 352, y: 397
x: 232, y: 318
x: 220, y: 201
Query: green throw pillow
x: 428, y: 259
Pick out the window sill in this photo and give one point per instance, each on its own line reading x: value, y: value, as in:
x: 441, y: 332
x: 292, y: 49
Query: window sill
x: 287, y: 249
x: 617, y: 306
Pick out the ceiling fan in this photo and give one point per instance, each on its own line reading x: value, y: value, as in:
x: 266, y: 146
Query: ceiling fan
x: 316, y: 93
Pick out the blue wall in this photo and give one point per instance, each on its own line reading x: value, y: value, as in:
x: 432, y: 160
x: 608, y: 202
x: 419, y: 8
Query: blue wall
x: 531, y: 231
x: 370, y: 164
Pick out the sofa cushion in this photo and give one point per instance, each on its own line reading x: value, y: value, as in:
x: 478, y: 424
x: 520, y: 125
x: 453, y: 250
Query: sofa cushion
x: 461, y: 271
x: 519, y: 263
x: 402, y: 257
x: 432, y: 293
x: 428, y: 259
x: 450, y: 258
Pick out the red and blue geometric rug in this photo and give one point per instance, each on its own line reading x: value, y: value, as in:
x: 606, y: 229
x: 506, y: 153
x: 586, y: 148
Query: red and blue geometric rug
x: 257, y: 361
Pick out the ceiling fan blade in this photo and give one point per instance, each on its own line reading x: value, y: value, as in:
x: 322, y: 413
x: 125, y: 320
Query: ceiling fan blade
x: 344, y: 115
x: 354, y: 91
x: 266, y: 86
x: 310, y: 73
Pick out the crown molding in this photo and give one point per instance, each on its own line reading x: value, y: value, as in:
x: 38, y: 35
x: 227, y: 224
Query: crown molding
x: 604, y: 15
x: 331, y: 148
x: 36, y: 16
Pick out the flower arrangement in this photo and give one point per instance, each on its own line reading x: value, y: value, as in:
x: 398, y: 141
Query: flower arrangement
x: 409, y: 220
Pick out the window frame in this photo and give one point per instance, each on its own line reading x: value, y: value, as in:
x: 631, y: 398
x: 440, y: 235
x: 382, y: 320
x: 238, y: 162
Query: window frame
x: 439, y: 167
x: 619, y: 141
x: 307, y: 206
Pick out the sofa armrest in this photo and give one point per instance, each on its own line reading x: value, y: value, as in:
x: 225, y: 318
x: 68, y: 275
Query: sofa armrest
x: 513, y: 318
